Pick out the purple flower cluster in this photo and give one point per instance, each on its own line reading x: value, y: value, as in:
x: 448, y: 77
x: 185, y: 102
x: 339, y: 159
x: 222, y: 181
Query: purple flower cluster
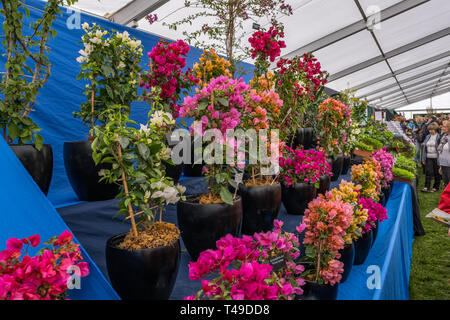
x: 386, y: 161
x: 375, y: 212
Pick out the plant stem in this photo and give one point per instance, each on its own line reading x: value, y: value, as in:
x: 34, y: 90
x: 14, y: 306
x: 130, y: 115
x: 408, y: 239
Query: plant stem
x: 92, y: 109
x: 125, y: 187
x: 318, y: 263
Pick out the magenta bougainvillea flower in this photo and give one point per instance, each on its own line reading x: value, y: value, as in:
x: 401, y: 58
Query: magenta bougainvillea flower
x: 375, y: 212
x: 167, y: 61
x: 299, y: 165
x: 266, y: 44
x: 44, y: 276
x: 386, y: 161
x: 243, y: 269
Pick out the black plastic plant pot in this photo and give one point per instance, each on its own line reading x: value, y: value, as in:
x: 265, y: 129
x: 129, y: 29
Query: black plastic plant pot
x: 324, y: 184
x: 308, y: 137
x: 192, y: 169
x: 382, y: 200
x: 83, y: 174
x: 39, y: 164
x: 375, y: 231
x: 346, y: 164
x: 347, y: 258
x: 260, y: 207
x: 362, y: 248
x: 295, y: 199
x: 336, y: 166
x: 314, y: 291
x: 145, y: 274
x: 387, y: 192
x: 201, y: 225
x: 304, y: 137
x: 174, y: 171
x: 299, y: 138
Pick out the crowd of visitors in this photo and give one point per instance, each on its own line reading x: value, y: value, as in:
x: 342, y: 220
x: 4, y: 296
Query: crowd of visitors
x: 431, y: 138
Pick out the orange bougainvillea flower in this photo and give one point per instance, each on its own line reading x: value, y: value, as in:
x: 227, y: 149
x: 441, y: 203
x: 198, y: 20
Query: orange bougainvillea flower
x: 210, y: 66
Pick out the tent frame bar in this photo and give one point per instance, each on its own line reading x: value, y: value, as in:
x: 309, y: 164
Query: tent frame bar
x: 354, y: 28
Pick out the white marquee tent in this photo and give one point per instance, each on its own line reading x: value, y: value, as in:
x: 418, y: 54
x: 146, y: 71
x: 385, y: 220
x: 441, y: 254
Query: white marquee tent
x: 395, y: 53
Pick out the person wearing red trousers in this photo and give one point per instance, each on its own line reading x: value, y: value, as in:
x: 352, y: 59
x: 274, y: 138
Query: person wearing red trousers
x: 444, y: 202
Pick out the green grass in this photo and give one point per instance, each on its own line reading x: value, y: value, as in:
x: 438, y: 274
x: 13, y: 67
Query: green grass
x: 430, y: 265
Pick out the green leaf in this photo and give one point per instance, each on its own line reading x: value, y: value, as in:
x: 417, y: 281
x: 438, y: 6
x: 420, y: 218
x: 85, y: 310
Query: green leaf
x: 110, y: 91
x: 310, y: 252
x: 13, y: 131
x: 202, y: 105
x: 107, y: 70
x: 38, y: 141
x: 124, y: 142
x: 222, y: 101
x: 226, y: 195
x: 144, y: 151
x: 94, y: 144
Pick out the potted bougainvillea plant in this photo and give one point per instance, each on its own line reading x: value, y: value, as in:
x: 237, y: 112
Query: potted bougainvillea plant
x: 258, y: 267
x: 299, y: 82
x: 26, y: 70
x: 300, y: 173
x: 348, y: 192
x: 45, y: 276
x: 333, y: 123
x: 325, y: 221
x: 386, y: 161
x: 109, y: 63
x: 167, y: 82
x: 216, y: 108
x: 209, y: 66
x: 260, y: 190
x: 142, y: 263
x: 376, y: 214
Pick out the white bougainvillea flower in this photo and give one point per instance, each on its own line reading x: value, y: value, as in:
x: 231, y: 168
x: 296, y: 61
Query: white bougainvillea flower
x: 144, y: 130
x: 95, y: 40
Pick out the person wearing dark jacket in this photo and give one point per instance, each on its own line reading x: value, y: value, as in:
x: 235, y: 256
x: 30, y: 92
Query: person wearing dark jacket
x: 444, y: 153
x: 430, y: 158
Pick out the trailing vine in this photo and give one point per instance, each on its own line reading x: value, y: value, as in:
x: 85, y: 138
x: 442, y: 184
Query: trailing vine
x: 27, y: 68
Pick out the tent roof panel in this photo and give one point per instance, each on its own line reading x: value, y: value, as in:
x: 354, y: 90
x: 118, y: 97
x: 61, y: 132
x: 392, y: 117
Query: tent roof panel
x: 362, y: 76
x: 348, y: 52
x: 425, y: 51
x: 422, y: 20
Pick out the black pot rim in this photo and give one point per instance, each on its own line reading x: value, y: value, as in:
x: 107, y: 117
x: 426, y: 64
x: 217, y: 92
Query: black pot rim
x: 77, y: 142
x: 193, y: 199
x: 27, y: 144
x: 278, y: 184
x: 315, y: 283
x: 298, y: 183
x: 109, y: 243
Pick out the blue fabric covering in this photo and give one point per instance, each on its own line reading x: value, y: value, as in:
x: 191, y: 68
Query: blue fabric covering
x: 62, y: 94
x: 93, y: 224
x: 26, y: 211
x: 391, y: 252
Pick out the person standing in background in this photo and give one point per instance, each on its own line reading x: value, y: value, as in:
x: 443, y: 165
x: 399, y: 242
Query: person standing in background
x: 417, y: 135
x: 444, y: 153
x: 430, y: 158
